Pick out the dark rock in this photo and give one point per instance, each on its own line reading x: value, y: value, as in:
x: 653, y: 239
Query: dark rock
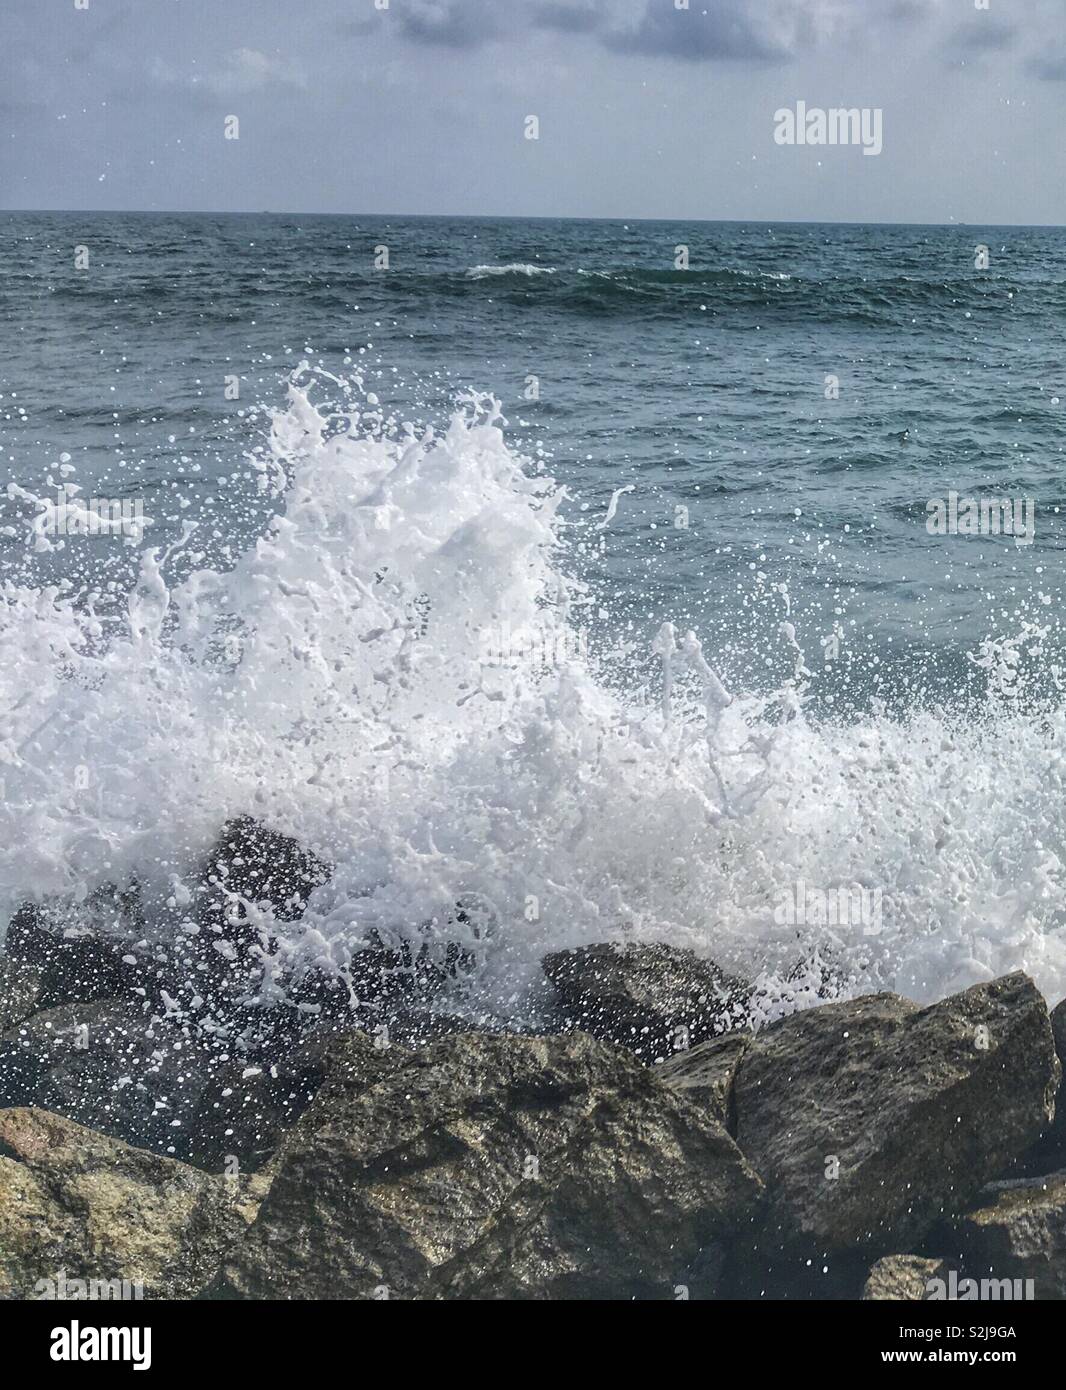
x: 252, y: 1100
x: 869, y: 1119
x: 416, y: 1027
x: 250, y: 1104
x: 111, y: 1066
x: 218, y: 963
x: 1018, y: 1233
x: 20, y: 989
x: 1058, y: 1028
x: 396, y: 975
x: 493, y: 1167
x: 706, y: 1072
x: 261, y: 866
x: 902, y: 1279
x: 652, y: 999
x: 1048, y: 1154
x: 76, y: 1206
x: 160, y: 1082
x: 82, y: 951
x: 348, y: 1064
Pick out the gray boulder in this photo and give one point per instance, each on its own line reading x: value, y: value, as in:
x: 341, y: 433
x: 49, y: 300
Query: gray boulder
x: 79, y: 1210
x: 493, y: 1167
x: 20, y: 989
x: 706, y: 1073
x: 652, y: 999
x: 1048, y: 1155
x: 112, y: 1066
x: 1018, y: 1233
x: 249, y: 1106
x: 869, y: 1119
x: 82, y: 951
x: 902, y: 1279
x: 261, y: 866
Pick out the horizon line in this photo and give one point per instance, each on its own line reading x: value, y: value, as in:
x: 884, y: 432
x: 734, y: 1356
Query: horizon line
x: 509, y: 217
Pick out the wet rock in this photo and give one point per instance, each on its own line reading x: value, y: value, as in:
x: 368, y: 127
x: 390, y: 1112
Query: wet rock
x: 706, y: 1072
x: 652, y: 999
x: 112, y: 1066
x: 869, y: 1119
x: 20, y: 989
x: 902, y: 1279
x: 1049, y: 1153
x: 77, y: 1206
x: 488, y: 1167
x: 250, y: 1105
x: 403, y: 975
x: 1018, y: 1233
x: 1058, y: 1028
x: 82, y: 951
x: 225, y: 964
x: 262, y: 867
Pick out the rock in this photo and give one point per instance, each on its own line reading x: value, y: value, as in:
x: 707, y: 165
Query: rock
x: 82, y: 951
x: 112, y: 1066
x: 252, y: 1101
x: 250, y: 1104
x: 1019, y: 1233
x: 652, y: 999
x: 401, y: 976
x: 706, y: 1072
x: 493, y: 1167
x: 869, y: 1119
x: 20, y: 989
x: 350, y: 1064
x: 225, y: 952
x: 902, y: 1279
x: 261, y: 866
x: 75, y: 1205
x: 160, y: 1083
x: 1058, y: 1028
x: 1049, y: 1153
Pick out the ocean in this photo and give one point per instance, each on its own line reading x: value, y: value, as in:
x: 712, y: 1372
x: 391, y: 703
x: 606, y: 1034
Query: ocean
x: 612, y: 580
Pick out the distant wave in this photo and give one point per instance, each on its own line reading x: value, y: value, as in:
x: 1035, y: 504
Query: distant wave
x: 485, y: 272
x: 891, y: 299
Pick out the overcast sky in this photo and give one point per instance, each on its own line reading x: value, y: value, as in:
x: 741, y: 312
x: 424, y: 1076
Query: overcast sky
x: 645, y: 109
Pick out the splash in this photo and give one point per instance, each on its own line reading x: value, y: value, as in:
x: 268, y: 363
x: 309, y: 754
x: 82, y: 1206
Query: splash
x: 337, y: 684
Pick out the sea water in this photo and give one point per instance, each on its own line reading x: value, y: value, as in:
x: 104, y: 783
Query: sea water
x: 538, y: 575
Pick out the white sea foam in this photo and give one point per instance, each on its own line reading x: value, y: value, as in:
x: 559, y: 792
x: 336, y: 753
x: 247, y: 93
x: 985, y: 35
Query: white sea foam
x: 485, y: 272
x: 333, y: 684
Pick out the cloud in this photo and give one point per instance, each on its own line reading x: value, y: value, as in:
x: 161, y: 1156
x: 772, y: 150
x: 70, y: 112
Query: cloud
x: 977, y: 37
x: 1050, y: 65
x: 757, y: 31
x: 724, y: 31
x: 762, y: 31
x: 248, y: 70
x: 450, y: 23
x: 242, y: 71
x: 569, y: 17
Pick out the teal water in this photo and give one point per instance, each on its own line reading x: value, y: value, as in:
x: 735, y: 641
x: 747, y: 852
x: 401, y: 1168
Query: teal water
x: 702, y: 389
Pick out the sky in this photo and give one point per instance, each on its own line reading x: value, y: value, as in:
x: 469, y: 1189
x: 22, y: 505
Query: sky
x: 645, y: 108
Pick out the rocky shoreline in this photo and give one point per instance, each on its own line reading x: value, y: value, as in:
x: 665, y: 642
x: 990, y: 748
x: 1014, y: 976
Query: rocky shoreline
x: 359, y: 1146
